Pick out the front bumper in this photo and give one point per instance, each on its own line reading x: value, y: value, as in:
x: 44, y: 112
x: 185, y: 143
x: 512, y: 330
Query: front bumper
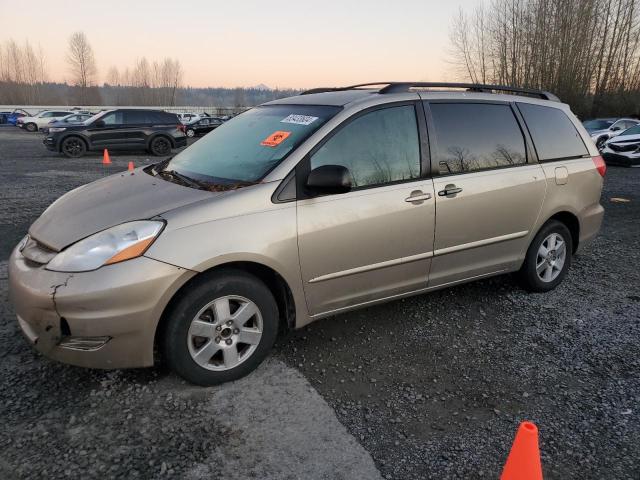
x: 106, y: 318
x: 50, y: 142
x: 628, y: 159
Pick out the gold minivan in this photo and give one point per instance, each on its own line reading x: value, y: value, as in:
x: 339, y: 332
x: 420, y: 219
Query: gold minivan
x: 302, y: 208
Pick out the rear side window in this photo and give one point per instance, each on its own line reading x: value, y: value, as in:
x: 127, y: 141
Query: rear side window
x: 136, y: 117
x: 378, y: 148
x: 553, y: 133
x: 476, y: 136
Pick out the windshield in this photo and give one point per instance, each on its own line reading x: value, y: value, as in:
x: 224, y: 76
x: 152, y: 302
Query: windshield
x: 631, y: 131
x: 597, y: 124
x: 245, y: 149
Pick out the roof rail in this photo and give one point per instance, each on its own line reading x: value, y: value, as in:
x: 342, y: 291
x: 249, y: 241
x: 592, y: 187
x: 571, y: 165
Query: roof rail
x: 398, y: 87
x: 340, y: 89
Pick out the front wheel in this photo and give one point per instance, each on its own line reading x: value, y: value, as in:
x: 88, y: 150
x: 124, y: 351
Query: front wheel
x: 160, y: 146
x: 548, y: 258
x: 600, y: 143
x: 73, y: 147
x: 221, y: 328
x: 31, y: 127
x: 190, y: 133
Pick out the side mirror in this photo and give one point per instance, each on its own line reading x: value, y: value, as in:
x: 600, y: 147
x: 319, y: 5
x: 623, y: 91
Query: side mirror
x: 615, y: 129
x: 99, y: 123
x: 328, y: 179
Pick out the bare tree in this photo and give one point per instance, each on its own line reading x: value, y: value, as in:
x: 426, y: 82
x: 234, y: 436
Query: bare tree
x: 82, y: 64
x: 587, y: 51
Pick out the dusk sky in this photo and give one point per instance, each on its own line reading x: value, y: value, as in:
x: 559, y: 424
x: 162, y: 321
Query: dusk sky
x: 247, y: 42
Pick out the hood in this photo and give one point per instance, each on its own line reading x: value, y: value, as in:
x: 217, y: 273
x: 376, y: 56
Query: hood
x: 111, y: 201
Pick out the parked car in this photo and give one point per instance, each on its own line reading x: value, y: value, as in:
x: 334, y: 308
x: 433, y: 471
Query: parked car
x: 72, y: 119
x: 623, y: 149
x: 13, y: 117
x: 203, y: 126
x: 3, y: 116
x: 188, y: 117
x: 121, y: 129
x: 601, y: 135
x: 304, y: 208
x: 34, y: 123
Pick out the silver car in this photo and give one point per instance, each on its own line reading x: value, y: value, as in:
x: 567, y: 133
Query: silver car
x: 304, y: 208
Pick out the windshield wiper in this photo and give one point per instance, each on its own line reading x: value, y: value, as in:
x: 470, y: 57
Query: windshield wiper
x: 188, y: 181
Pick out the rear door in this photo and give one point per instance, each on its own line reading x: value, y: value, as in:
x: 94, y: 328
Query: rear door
x: 489, y: 190
x: 375, y: 241
x: 137, y: 122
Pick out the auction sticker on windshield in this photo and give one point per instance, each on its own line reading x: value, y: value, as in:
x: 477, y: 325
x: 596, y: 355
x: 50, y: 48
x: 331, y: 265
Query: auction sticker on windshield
x: 275, y: 139
x: 299, y: 119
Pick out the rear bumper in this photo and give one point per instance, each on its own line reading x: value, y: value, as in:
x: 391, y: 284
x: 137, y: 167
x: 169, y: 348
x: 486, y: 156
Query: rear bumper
x: 590, y: 223
x: 628, y: 160
x: 101, y: 319
x: 180, y: 141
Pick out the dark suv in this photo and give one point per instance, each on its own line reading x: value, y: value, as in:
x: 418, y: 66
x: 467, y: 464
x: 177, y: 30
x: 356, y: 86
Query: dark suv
x: 122, y: 129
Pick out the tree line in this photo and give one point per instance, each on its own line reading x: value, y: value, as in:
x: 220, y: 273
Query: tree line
x: 585, y: 51
x: 24, y: 80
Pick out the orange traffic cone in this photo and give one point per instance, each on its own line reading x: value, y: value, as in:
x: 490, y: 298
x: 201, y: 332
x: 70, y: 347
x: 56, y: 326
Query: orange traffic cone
x: 130, y: 167
x: 105, y: 158
x: 523, y: 462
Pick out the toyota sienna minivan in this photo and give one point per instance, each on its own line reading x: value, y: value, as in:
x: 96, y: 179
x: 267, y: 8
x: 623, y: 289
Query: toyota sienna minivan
x: 302, y: 208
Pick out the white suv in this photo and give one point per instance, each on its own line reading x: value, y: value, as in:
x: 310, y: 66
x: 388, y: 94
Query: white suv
x: 33, y: 124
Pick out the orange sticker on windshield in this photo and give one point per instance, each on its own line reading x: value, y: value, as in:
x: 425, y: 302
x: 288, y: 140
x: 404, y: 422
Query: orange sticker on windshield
x: 275, y: 139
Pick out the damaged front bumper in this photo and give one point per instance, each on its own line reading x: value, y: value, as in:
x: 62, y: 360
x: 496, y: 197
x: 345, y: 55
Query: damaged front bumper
x: 106, y: 318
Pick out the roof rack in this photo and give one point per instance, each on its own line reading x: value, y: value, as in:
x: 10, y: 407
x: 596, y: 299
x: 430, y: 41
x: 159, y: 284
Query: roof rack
x: 399, y: 87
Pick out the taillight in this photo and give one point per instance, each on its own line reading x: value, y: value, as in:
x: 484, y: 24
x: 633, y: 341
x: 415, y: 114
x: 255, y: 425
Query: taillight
x: 182, y: 128
x: 600, y: 165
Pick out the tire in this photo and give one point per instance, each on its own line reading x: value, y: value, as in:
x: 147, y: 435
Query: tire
x: 191, y: 133
x: 31, y: 127
x: 73, y: 147
x: 542, y: 274
x: 202, y: 352
x: 600, y: 143
x: 160, y: 146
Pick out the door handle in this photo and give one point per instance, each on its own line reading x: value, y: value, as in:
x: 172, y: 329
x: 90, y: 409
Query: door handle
x: 449, y: 190
x: 417, y: 197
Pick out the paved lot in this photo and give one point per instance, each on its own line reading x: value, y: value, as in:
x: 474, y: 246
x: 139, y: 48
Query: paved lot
x: 428, y: 387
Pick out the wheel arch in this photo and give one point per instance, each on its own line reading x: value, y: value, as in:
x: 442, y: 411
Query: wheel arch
x: 155, y: 135
x: 73, y: 134
x: 270, y: 277
x: 572, y: 222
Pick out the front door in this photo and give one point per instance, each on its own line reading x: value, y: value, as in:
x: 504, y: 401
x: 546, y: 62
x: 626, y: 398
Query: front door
x: 375, y: 241
x: 488, y: 197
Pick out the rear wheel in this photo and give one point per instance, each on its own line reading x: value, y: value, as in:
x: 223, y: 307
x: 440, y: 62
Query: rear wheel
x: 548, y: 258
x: 221, y: 329
x: 73, y: 147
x: 31, y: 127
x: 160, y: 146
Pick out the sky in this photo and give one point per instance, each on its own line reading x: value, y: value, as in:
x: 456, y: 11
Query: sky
x: 282, y: 43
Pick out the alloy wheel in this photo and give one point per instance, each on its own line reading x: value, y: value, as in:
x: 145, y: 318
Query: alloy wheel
x: 551, y: 257
x: 225, y: 333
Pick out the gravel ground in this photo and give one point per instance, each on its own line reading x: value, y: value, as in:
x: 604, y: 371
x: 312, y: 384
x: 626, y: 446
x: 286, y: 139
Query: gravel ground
x: 432, y: 387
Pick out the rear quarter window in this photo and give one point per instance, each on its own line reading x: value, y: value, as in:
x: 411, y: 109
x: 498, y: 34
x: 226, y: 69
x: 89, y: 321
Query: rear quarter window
x: 553, y: 133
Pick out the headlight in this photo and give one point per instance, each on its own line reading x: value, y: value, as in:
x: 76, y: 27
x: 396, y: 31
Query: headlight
x: 57, y: 129
x: 23, y: 243
x: 116, y: 244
